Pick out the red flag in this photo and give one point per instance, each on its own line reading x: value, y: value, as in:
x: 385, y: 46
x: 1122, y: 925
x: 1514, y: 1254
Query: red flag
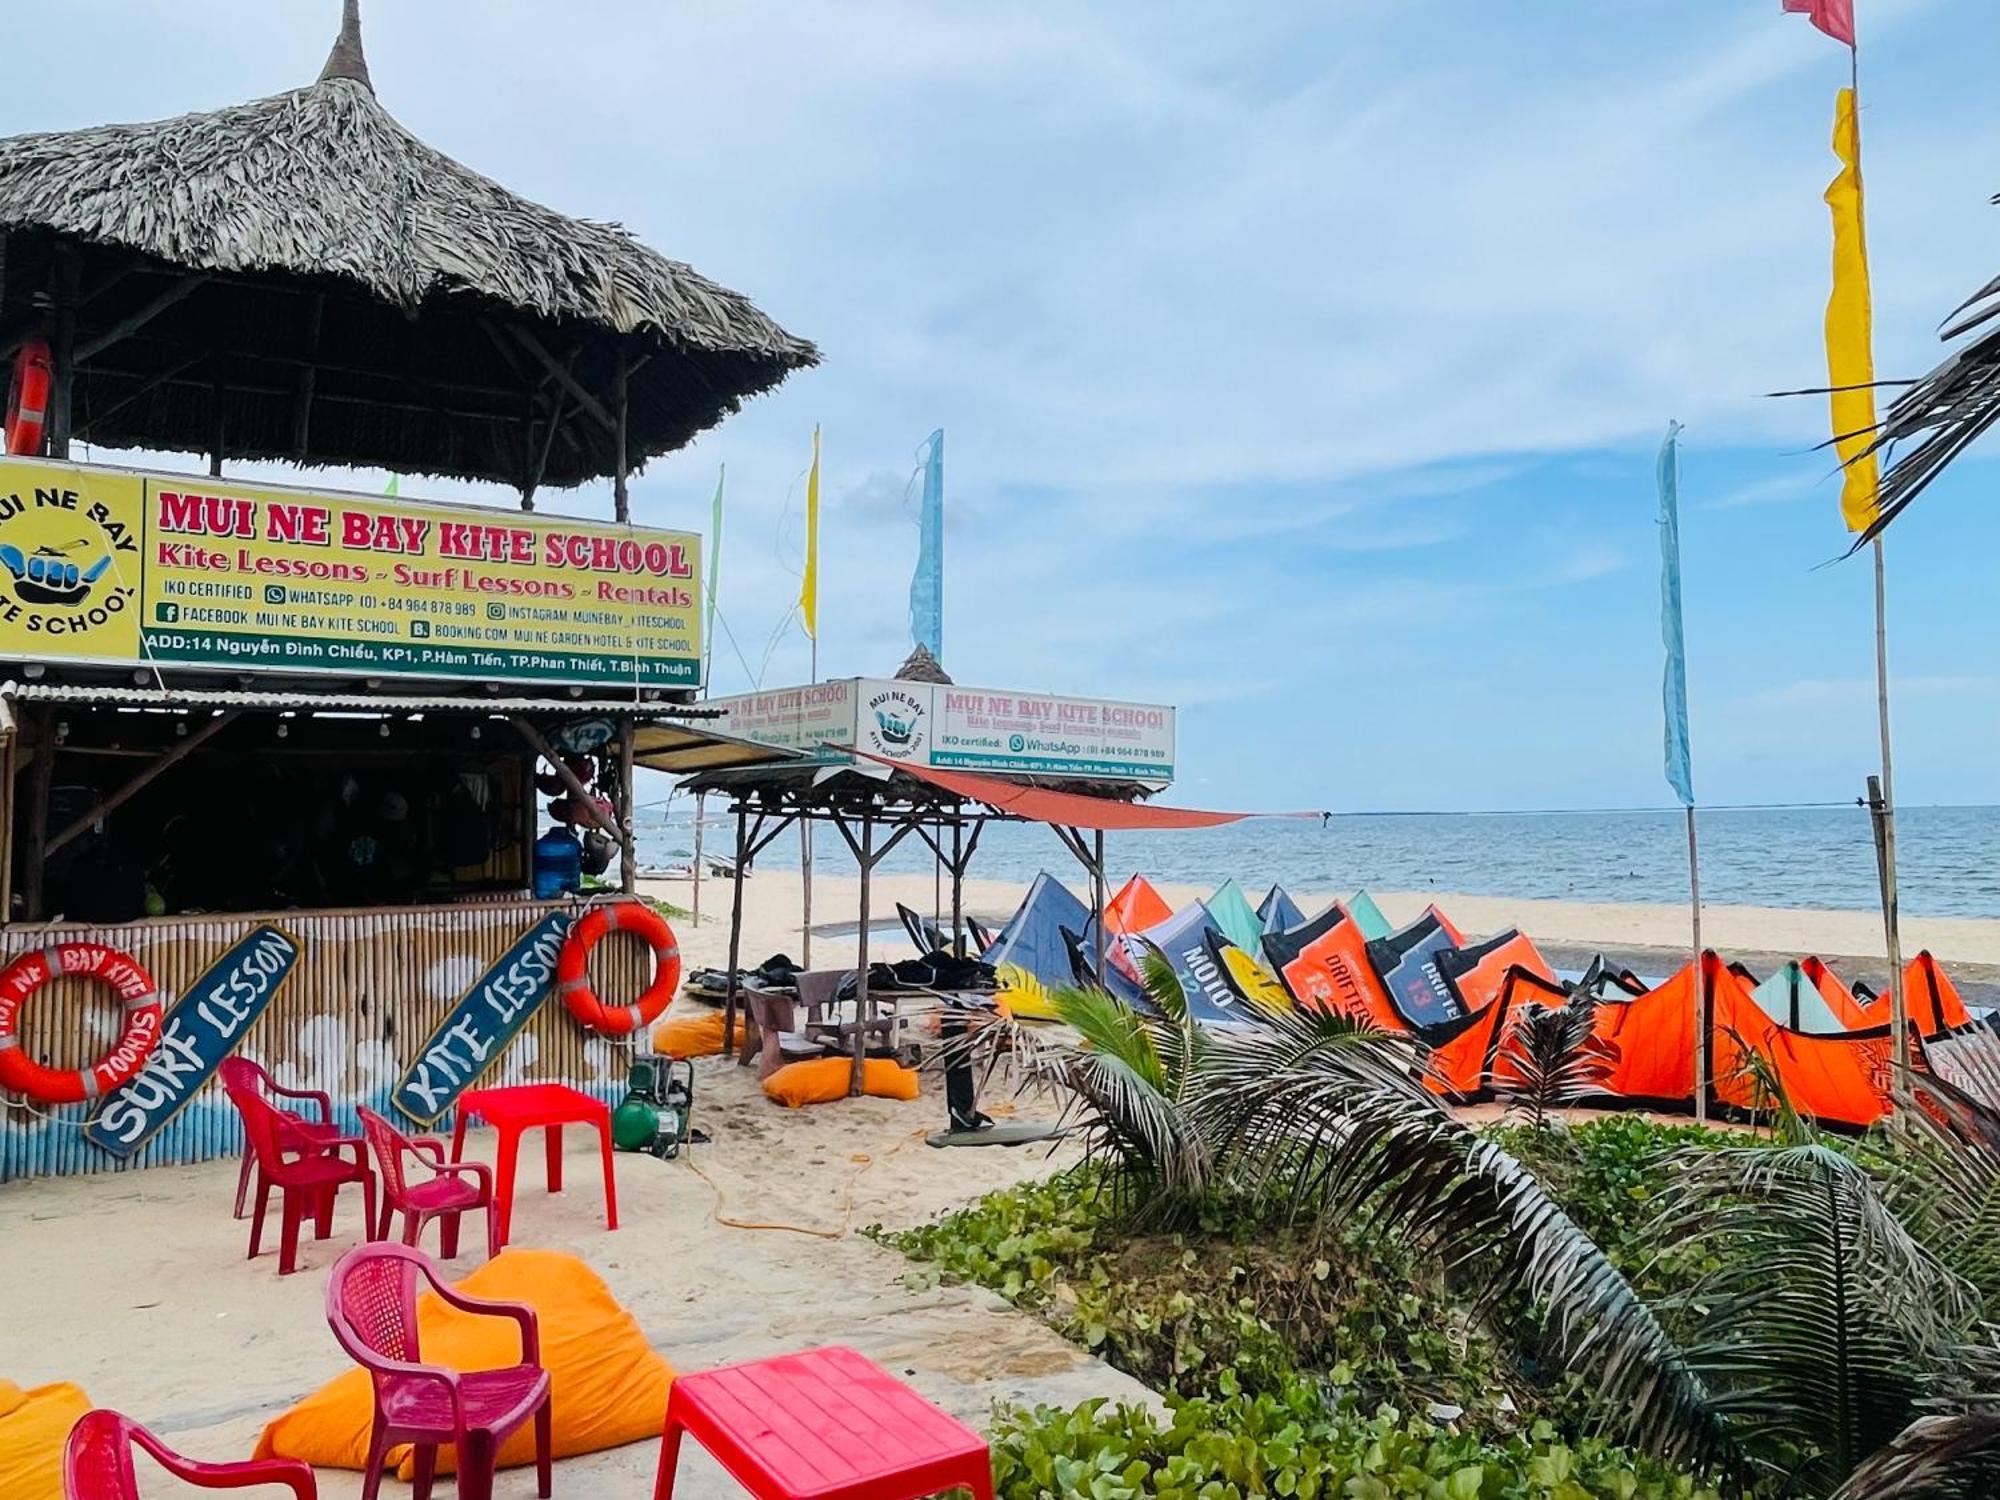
x: 1834, y: 17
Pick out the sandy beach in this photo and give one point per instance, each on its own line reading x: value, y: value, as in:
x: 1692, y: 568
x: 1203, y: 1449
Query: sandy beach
x: 1634, y: 933
x: 141, y: 1293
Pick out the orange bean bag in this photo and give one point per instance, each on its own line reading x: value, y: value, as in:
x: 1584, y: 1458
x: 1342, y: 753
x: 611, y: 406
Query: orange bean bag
x: 699, y: 1035
x: 821, y: 1080
x: 34, y: 1426
x: 608, y: 1386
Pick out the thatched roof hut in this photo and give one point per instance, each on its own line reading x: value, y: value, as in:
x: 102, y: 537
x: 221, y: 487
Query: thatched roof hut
x: 301, y: 278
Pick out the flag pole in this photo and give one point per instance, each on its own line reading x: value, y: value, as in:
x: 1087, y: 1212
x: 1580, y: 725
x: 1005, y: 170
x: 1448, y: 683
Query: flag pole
x: 1679, y: 759
x: 812, y: 634
x: 1700, y: 979
x: 1899, y: 1019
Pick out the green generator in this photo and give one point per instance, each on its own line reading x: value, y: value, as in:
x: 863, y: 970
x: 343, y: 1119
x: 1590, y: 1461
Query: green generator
x: 658, y: 1108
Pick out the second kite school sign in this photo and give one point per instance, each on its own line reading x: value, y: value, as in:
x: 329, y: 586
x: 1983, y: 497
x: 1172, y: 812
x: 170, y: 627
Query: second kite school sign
x: 117, y: 566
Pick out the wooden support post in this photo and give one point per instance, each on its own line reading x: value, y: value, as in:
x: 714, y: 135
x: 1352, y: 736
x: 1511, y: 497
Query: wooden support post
x: 806, y: 891
x: 131, y: 323
x: 621, y: 498
x: 628, y: 838
x: 176, y: 753
x: 735, y: 935
x: 62, y: 349
x: 1097, y: 894
x: 567, y: 381
x: 10, y: 765
x: 699, y: 799
x: 308, y: 379
x: 41, y: 775
x: 580, y: 793
x: 861, y: 1018
x: 219, y: 432
x: 958, y: 882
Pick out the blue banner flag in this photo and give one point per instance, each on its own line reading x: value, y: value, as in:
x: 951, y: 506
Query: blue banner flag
x: 1673, y: 687
x: 927, y: 586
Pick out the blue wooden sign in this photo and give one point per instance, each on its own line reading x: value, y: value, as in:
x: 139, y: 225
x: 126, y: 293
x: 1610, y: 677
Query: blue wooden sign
x: 204, y: 1026
x: 483, y: 1022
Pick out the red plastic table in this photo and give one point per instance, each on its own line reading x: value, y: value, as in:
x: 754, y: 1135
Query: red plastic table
x: 548, y: 1105
x: 826, y: 1424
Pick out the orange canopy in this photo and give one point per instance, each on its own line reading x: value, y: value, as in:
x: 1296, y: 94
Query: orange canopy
x: 1066, y: 809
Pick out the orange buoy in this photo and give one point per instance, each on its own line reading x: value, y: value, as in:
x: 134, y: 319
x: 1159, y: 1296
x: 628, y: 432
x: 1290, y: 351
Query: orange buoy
x: 573, y: 977
x: 136, y: 989
x: 28, y: 397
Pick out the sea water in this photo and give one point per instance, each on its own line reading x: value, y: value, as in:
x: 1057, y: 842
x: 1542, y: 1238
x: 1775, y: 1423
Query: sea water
x: 1948, y: 858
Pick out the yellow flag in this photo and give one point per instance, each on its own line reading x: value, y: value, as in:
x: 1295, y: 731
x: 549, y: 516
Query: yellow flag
x: 1850, y: 323
x: 809, y: 586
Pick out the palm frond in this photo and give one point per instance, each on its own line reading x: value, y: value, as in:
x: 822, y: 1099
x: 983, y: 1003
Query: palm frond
x: 1127, y: 1075
x: 1950, y: 1456
x: 1942, y: 1175
x: 1551, y: 1058
x: 1822, y: 1328
x: 1332, y: 1117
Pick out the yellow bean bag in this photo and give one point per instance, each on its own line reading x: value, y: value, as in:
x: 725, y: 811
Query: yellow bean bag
x: 821, y: 1080
x: 34, y: 1426
x: 608, y: 1386
x: 699, y: 1035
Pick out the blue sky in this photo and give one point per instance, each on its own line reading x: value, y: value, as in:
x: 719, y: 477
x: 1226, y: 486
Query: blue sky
x: 1301, y: 364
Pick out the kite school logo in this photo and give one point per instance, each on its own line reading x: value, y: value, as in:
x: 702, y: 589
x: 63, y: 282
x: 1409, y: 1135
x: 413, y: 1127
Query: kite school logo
x: 69, y: 562
x: 898, y: 730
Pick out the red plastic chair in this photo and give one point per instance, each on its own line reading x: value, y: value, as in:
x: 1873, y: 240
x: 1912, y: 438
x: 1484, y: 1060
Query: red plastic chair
x: 446, y: 1196
x: 371, y: 1305
x: 321, y: 1132
x: 309, y: 1180
x: 97, y: 1464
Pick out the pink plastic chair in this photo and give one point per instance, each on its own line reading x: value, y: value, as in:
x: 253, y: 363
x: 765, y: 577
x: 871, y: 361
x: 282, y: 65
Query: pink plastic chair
x: 321, y: 1132
x: 309, y: 1181
x: 371, y: 1305
x: 446, y: 1196
x: 97, y: 1464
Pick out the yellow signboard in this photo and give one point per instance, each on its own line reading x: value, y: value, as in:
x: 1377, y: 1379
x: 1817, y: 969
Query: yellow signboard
x: 108, y: 565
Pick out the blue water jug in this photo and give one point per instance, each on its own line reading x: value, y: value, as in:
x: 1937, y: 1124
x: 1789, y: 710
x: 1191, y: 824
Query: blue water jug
x: 558, y: 864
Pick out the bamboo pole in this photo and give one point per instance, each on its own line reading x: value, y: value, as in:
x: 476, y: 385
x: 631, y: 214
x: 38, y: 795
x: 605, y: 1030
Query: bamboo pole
x: 700, y: 798
x: 41, y: 774
x: 628, y: 840
x: 1885, y: 799
x: 861, y: 961
x: 735, y: 938
x: 1700, y: 979
x: 806, y: 891
x: 621, y: 496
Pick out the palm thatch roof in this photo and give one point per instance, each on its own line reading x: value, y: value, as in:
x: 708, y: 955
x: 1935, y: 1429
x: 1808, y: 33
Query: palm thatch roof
x: 921, y: 666
x: 301, y: 278
x: 1946, y: 411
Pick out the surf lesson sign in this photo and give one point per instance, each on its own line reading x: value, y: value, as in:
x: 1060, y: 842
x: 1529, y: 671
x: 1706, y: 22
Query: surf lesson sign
x: 205, y: 1025
x: 483, y: 1021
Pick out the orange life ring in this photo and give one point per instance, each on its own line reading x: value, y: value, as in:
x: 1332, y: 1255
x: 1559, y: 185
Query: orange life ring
x: 28, y: 397
x: 572, y: 967
x: 135, y: 987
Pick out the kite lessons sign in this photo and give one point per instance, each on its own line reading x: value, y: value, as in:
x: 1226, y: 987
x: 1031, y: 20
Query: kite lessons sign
x: 111, y: 566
